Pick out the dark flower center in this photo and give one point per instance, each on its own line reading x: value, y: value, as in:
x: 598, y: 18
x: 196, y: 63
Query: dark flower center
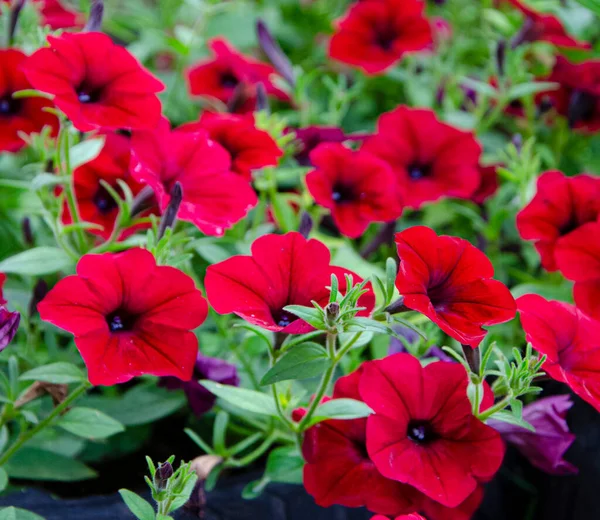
x: 9, y: 106
x: 420, y: 432
x: 120, y: 321
x: 86, y: 94
x: 582, y: 107
x: 284, y: 318
x: 418, y: 171
x: 229, y: 80
x: 104, y: 201
x: 385, y: 36
x: 342, y: 193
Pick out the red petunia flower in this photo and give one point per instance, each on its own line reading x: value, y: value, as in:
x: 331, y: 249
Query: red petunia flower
x: 544, y: 27
x: 423, y: 431
x: 129, y: 316
x: 338, y: 469
x: 450, y: 281
x: 249, y: 147
x: 283, y: 270
x: 95, y: 203
x: 560, y: 205
x: 375, y: 35
x: 19, y: 115
x: 214, y: 198
x: 570, y: 340
x: 229, y: 70
x: 431, y: 159
x: 357, y: 187
x: 57, y: 16
x: 435, y: 511
x: 578, y: 97
x: 488, y: 185
x: 96, y: 83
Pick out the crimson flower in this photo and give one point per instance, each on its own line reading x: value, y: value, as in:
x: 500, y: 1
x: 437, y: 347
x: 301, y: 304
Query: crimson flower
x: 338, y: 469
x: 19, y: 115
x: 569, y: 339
x: 423, y: 432
x: 57, y: 16
x: 431, y: 159
x: 450, y: 281
x: 129, y: 316
x: 249, y: 147
x: 282, y: 270
x: 96, y: 83
x: 488, y: 185
x: 219, y: 77
x: 545, y: 448
x: 357, y: 187
x: 578, y: 259
x: 375, y: 35
x: 95, y: 203
x: 544, y: 27
x: 561, y: 205
x: 435, y: 511
x: 214, y: 198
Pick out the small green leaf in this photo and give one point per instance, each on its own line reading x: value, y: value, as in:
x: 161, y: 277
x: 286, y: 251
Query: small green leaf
x: 360, y: 324
x: 509, y: 418
x: 300, y: 362
x: 255, y: 488
x: 285, y: 465
x: 137, y: 505
x: 37, y: 261
x: 593, y: 5
x: 15, y: 513
x: 41, y: 180
x: 85, y: 151
x: 219, y: 431
x: 526, y: 89
x: 3, y: 479
x: 249, y: 400
x: 480, y: 87
x: 3, y: 437
x: 36, y: 464
x: 310, y: 315
x: 284, y: 213
x: 57, y: 373
x: 343, y: 409
x: 89, y: 423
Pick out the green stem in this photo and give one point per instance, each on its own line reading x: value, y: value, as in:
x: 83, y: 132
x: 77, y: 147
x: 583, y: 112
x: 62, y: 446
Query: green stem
x: 500, y: 405
x: 286, y: 420
x: 343, y: 350
x: 27, y: 435
x: 252, y: 456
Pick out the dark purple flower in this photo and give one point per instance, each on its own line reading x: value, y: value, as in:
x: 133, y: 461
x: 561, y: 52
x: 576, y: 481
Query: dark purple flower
x: 9, y: 323
x: 411, y: 337
x: 312, y: 136
x: 199, y: 398
x: 546, y: 447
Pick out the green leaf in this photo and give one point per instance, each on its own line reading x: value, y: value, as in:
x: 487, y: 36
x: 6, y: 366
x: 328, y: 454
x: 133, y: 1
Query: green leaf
x: 360, y: 324
x: 57, y: 373
x: 284, y: 213
x: 309, y: 314
x: 3, y: 437
x: 184, y: 495
x: 285, y: 465
x: 300, y: 362
x: 137, y: 505
x: 480, y: 87
x: 249, y: 400
x: 89, y: 423
x: 35, y: 464
x: 526, y: 89
x: 85, y: 151
x: 509, y: 418
x: 15, y: 513
x: 3, y: 479
x: 219, y: 431
x: 37, y: 261
x: 593, y: 5
x: 340, y: 409
x: 41, y: 180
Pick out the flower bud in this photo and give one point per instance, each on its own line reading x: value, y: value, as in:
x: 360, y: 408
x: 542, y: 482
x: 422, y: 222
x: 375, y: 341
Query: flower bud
x: 9, y: 323
x: 276, y: 56
x: 262, y: 101
x: 581, y: 106
x: 27, y: 233
x: 517, y: 141
x: 332, y: 312
x: 306, y: 224
x: 94, y: 23
x: 170, y: 215
x: 501, y: 57
x: 163, y: 473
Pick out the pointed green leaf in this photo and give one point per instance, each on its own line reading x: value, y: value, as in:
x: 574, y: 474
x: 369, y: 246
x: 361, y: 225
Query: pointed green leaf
x: 249, y: 400
x: 300, y: 362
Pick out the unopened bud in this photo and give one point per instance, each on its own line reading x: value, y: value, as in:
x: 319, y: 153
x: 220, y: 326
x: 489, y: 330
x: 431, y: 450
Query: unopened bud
x: 276, y: 56
x: 94, y: 23
x: 332, y: 312
x: 517, y: 141
x: 163, y: 473
x: 170, y: 215
x: 501, y: 57
x: 306, y: 224
x: 27, y: 233
x: 9, y: 324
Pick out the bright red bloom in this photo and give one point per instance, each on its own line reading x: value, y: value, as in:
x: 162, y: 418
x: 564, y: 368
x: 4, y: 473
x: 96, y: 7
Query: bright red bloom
x: 57, y: 16
x: 214, y: 198
x: 129, y: 316
x: 435, y: 511
x: 95, y: 203
x: 283, y: 270
x: 488, y: 185
x: 19, y: 115
x: 96, y: 83
x: 338, y: 469
x: 229, y: 70
x: 357, y: 187
x: 249, y: 147
x: 560, y: 205
x: 375, y: 35
x: 423, y: 431
x: 569, y: 339
x: 545, y: 27
x: 431, y: 159
x: 450, y: 281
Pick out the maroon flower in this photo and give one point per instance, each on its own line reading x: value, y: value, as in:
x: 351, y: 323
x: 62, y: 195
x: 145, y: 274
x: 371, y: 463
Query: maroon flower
x: 249, y: 147
x: 214, y: 198
x: 569, y: 339
x: 283, y: 270
x: 561, y: 205
x: 357, y: 187
x: 2, y: 280
x: 431, y: 159
x: 423, y: 432
x: 450, y: 281
x: 129, y: 316
x: 199, y: 398
x: 545, y: 448
x: 312, y: 136
x: 375, y: 35
x: 9, y: 324
x: 96, y: 83
x: 488, y: 185
x: 24, y: 115
x: 229, y: 70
